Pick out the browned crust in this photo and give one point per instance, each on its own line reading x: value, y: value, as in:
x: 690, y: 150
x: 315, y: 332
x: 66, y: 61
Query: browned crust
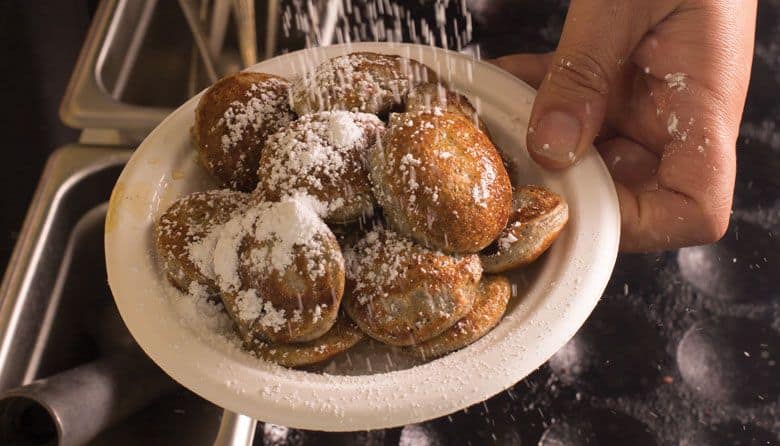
x: 446, y: 157
x: 344, y: 335
x: 539, y: 217
x: 353, y: 186
x: 292, y: 290
x: 427, y: 96
x: 489, y: 307
x: 188, y: 220
x: 432, y: 291
x: 373, y: 83
x: 236, y: 167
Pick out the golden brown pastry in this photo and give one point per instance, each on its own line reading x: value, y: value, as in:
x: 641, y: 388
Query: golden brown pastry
x: 323, y: 155
x: 281, y: 272
x: 185, y: 236
x: 489, y: 307
x: 429, y: 96
x: 233, y: 119
x: 539, y: 217
x: 365, y: 82
x: 401, y: 293
x: 341, y: 337
x: 441, y: 182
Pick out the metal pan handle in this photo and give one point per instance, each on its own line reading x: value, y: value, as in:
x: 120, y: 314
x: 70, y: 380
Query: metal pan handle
x: 235, y: 430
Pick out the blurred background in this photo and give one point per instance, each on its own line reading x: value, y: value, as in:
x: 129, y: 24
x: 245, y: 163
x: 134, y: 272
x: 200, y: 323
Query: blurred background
x: 681, y: 350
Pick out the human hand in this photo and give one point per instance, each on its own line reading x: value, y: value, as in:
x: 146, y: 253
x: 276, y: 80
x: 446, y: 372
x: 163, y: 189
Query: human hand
x: 659, y: 86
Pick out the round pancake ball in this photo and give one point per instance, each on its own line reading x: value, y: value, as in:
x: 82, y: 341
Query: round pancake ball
x: 400, y: 293
x: 441, y: 182
x: 233, y: 119
x: 364, y: 82
x: 323, y: 155
x: 281, y: 272
x: 186, y: 235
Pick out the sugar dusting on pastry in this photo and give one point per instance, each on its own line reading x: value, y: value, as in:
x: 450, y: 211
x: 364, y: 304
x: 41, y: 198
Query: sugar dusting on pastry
x: 186, y: 234
x: 280, y: 271
x: 264, y: 105
x: 288, y: 225
x: 361, y: 82
x: 322, y: 155
x: 378, y: 261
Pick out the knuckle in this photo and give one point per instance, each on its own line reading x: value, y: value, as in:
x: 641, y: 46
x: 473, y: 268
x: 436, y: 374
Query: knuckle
x: 579, y: 74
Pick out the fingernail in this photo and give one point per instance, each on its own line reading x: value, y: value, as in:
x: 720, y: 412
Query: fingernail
x: 556, y: 136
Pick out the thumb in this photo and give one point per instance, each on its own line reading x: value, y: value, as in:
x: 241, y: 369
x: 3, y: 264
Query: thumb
x: 597, y: 41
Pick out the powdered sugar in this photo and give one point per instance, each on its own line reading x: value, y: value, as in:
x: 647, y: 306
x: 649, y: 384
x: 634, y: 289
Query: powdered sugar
x: 198, y: 310
x: 256, y: 113
x: 271, y: 318
x: 408, y: 168
x: 342, y: 130
x: 506, y: 241
x: 249, y: 306
x: 480, y: 193
x: 382, y: 258
x: 284, y: 226
x: 318, y: 155
x: 378, y: 260
x: 201, y: 252
x: 317, y: 314
x: 676, y: 81
x: 226, y: 250
x: 282, y: 232
x: 290, y: 224
x: 355, y: 82
x: 672, y: 123
x: 187, y: 233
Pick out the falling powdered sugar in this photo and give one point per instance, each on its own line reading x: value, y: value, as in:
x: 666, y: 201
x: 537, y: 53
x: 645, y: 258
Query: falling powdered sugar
x: 672, y: 123
x: 346, y: 83
x: 407, y: 167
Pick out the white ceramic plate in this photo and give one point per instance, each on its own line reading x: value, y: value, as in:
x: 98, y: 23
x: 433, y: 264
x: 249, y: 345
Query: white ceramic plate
x: 555, y: 296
